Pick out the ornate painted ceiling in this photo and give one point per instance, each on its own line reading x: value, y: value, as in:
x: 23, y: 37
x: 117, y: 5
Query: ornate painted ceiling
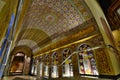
x: 47, y: 21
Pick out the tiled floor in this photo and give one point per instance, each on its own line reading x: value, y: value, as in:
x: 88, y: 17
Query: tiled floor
x: 19, y: 78
x: 34, y: 78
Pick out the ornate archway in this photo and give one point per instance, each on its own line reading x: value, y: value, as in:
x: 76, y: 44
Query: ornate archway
x: 20, y: 60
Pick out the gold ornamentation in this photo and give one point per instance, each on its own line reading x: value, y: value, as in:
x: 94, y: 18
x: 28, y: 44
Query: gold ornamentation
x: 103, y: 62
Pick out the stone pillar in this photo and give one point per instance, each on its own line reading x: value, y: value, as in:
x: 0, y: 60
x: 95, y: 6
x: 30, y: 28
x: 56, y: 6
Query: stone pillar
x: 38, y: 70
x: 50, y: 60
x: 75, y: 65
x: 75, y: 60
x: 8, y: 66
x: 60, y: 61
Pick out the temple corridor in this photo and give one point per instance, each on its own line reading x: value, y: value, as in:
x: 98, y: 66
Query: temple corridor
x: 59, y: 39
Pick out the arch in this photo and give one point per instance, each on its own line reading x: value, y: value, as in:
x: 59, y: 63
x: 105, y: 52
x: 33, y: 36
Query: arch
x: 29, y: 43
x: 86, y: 60
x: 46, y: 65
x: 41, y: 66
x: 20, y: 58
x: 67, y: 68
x: 17, y: 64
x: 54, y: 68
x: 33, y: 38
x: 22, y: 48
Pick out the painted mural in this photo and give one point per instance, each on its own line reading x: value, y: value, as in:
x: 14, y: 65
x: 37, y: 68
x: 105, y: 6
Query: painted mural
x: 86, y: 60
x: 67, y: 67
x: 54, y: 69
x: 46, y: 65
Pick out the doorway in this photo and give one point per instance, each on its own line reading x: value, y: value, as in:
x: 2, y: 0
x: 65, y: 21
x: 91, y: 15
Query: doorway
x: 17, y: 65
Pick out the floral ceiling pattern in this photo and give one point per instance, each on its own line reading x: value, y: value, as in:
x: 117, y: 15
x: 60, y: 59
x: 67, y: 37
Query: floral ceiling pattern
x: 52, y: 17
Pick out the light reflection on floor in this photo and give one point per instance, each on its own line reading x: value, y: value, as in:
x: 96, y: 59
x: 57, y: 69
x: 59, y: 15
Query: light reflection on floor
x: 22, y: 76
x: 25, y: 77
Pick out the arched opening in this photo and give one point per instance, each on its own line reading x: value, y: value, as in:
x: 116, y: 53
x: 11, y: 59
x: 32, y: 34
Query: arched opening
x: 34, y: 67
x: 17, y: 65
x: 46, y: 65
x: 20, y: 61
x: 54, y: 68
x: 41, y: 66
x: 87, y: 63
x: 67, y: 68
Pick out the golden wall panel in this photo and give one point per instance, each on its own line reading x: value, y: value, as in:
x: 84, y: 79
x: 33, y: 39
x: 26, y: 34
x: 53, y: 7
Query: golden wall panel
x: 103, y: 62
x: 116, y: 34
x: 101, y: 56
